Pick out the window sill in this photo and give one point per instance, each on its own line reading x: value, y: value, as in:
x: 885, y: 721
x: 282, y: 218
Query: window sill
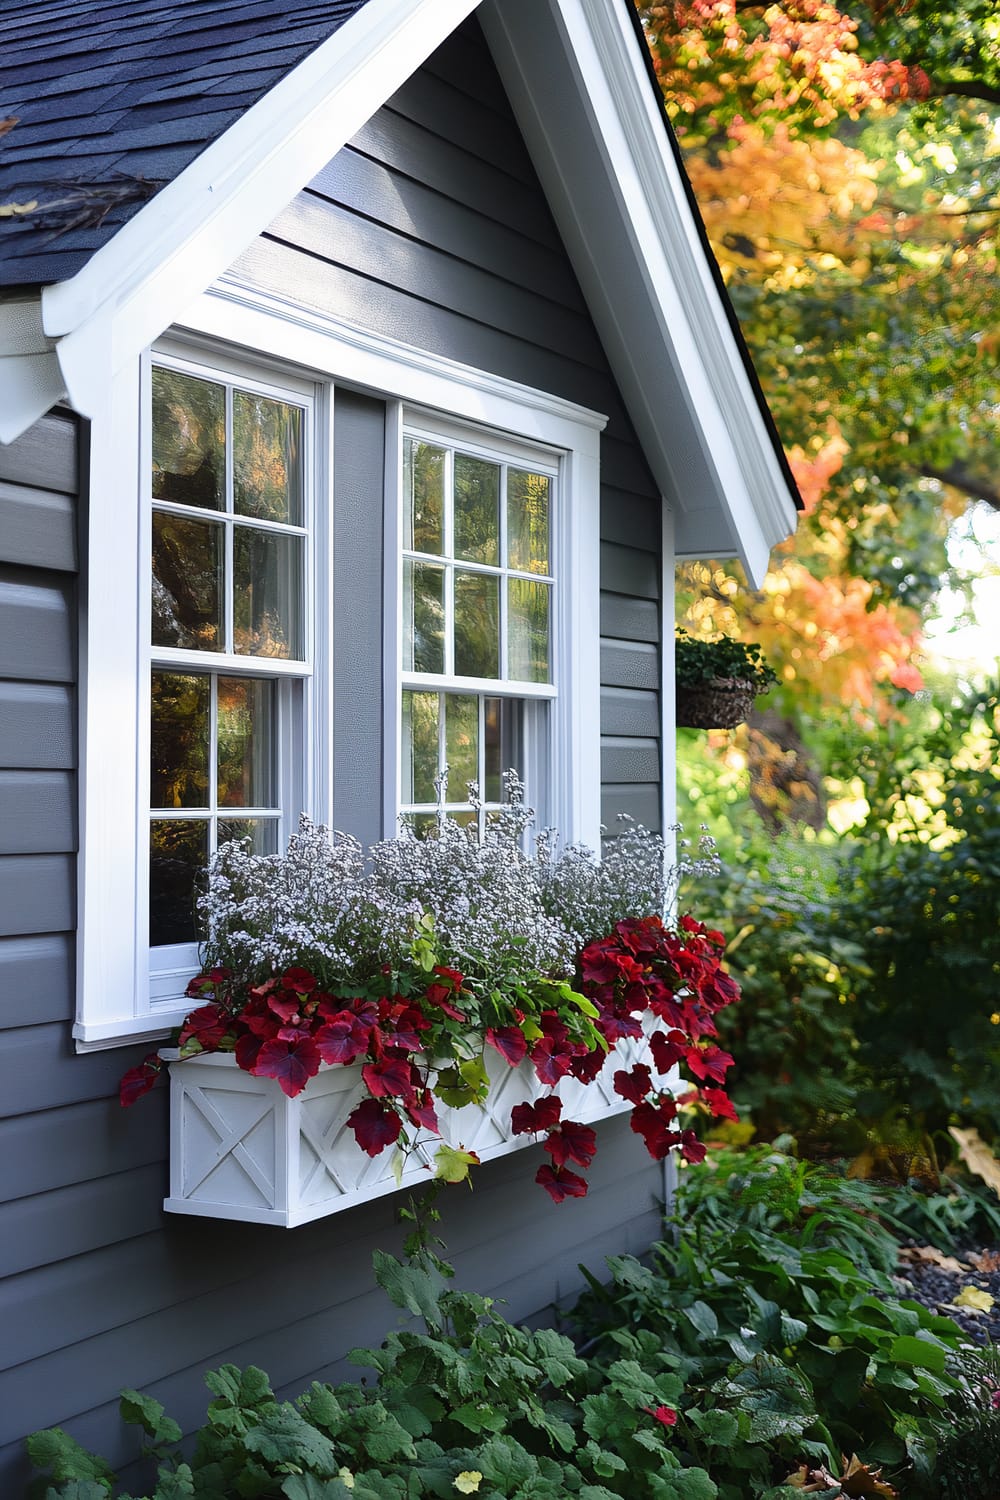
x: 128, y: 1031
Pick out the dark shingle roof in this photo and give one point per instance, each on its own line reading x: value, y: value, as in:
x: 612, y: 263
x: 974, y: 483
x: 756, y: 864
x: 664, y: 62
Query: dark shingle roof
x: 113, y: 100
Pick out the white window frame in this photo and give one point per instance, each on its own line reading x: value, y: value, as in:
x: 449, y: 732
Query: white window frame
x: 233, y: 327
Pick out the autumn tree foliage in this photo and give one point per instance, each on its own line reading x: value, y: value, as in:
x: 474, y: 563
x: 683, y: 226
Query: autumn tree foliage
x: 846, y: 160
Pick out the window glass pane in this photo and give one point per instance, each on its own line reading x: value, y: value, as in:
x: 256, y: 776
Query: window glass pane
x: 179, y: 740
x: 189, y: 437
x: 420, y: 746
x: 423, y: 491
x: 527, y: 521
x: 423, y: 617
x: 477, y: 509
x: 245, y: 756
x: 187, y: 583
x: 461, y: 727
x: 263, y: 833
x: 477, y: 625
x: 527, y: 630
x: 178, y: 853
x: 267, y: 568
x: 267, y: 458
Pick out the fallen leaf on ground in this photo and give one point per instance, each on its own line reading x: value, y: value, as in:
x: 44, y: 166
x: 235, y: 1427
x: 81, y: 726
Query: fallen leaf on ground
x: 974, y: 1300
x: 988, y: 1261
x: 859, y: 1480
x: 927, y: 1253
x: 977, y: 1156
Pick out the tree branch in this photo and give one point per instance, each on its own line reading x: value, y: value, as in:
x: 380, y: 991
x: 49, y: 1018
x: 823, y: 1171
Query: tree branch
x: 960, y: 478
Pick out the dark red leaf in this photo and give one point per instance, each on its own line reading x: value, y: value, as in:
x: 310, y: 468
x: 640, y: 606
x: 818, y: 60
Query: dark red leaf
x: 709, y: 1062
x: 550, y: 1061
x: 248, y: 1050
x: 509, y: 1042
x: 299, y: 980
x: 530, y: 1119
x: 571, y: 1142
x: 652, y: 1122
x: 292, y: 1064
x: 634, y: 1086
x: 392, y: 1077
x: 139, y: 1080
x: 375, y: 1126
x: 342, y: 1040
x: 206, y: 1025
x: 559, y: 1183
x: 586, y: 1068
x: 421, y: 1111
x: 720, y: 1104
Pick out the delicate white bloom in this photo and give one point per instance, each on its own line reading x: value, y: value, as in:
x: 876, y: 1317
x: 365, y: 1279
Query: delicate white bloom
x: 498, y: 911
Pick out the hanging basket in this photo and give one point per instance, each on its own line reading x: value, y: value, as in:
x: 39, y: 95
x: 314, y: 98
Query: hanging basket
x: 720, y: 704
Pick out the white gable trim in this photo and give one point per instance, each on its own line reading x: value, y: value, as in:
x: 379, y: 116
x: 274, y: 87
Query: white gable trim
x: 580, y: 87
x: 579, y: 84
x: 141, y: 280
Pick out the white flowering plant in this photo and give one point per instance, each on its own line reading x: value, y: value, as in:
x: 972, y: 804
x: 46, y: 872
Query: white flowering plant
x: 412, y: 959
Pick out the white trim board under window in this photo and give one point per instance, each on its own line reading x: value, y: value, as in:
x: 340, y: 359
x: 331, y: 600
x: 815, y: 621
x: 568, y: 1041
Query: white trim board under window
x: 276, y: 347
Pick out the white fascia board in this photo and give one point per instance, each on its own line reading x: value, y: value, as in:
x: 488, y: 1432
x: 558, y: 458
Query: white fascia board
x: 143, y: 278
x: 30, y: 379
x: 581, y: 90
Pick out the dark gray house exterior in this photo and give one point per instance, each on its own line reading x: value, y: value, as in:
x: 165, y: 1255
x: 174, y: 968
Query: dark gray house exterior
x: 403, y: 222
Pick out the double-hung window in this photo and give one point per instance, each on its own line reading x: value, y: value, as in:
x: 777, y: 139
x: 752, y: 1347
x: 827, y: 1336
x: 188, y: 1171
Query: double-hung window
x: 216, y: 694
x: 228, y: 647
x: 479, y: 601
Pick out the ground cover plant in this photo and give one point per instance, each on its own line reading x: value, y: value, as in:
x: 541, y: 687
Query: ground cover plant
x: 768, y: 1350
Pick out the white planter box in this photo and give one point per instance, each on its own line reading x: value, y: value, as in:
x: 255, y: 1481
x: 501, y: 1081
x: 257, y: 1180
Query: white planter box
x: 240, y: 1149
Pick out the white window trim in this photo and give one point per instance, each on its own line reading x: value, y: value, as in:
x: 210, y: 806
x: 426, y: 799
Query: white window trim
x: 267, y: 333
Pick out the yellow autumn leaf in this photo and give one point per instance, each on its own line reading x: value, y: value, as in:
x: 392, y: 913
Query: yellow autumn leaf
x: 346, y: 1478
x: 468, y: 1482
x: 452, y: 1163
x: 975, y: 1299
x: 10, y: 210
x: 977, y: 1156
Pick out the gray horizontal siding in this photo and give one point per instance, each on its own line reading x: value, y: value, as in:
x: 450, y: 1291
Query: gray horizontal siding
x: 430, y: 227
x: 38, y: 527
x: 37, y: 725
x: 37, y: 812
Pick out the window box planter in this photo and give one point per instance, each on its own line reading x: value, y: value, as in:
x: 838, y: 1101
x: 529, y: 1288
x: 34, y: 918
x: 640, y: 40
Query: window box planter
x: 240, y: 1149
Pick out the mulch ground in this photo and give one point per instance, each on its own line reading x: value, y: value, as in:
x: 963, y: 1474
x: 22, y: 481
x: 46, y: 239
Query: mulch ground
x: 938, y: 1281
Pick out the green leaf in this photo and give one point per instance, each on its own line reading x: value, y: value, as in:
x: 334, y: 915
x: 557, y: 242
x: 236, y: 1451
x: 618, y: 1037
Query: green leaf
x: 918, y: 1352
x: 702, y: 1319
x: 149, y: 1415
x: 479, y: 1418
x: 409, y: 1287
x: 284, y: 1436
x: 505, y: 1463
x: 54, y: 1449
x: 716, y: 1426
x: 308, y: 1487
x: 175, y: 1484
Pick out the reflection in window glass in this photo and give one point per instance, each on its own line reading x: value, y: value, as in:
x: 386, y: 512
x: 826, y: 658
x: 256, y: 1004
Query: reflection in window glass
x: 423, y: 617
x: 267, y: 567
x: 267, y: 458
x: 179, y: 740
x: 245, y: 748
x: 477, y: 509
x: 423, y: 497
x: 420, y: 746
x: 477, y: 624
x: 461, y: 722
x: 187, y: 594
x: 527, y: 630
x: 189, y: 440
x: 527, y: 521
x: 178, y: 851
x: 262, y: 833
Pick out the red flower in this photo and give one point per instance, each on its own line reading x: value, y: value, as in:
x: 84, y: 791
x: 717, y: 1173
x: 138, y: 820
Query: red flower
x: 664, y: 1414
